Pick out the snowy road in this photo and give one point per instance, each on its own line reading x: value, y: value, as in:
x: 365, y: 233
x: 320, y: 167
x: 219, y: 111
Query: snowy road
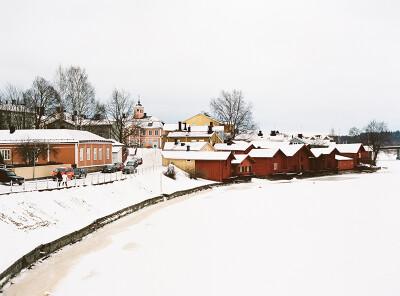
x: 305, y: 237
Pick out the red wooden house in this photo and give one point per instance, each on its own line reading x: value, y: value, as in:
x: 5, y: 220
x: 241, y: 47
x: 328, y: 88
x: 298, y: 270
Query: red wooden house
x: 267, y: 161
x: 324, y: 159
x: 297, y: 158
x: 344, y: 163
x: 242, y: 165
x: 355, y: 151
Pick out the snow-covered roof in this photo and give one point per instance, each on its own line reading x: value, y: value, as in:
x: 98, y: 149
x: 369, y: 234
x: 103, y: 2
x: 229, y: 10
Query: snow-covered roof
x: 170, y: 127
x: 318, y: 151
x: 240, y: 146
x: 196, y: 155
x: 50, y: 136
x: 269, y: 144
x: 240, y: 158
x: 190, y: 135
x: 340, y: 157
x: 204, y: 128
x: 290, y: 150
x: 348, y: 148
x: 194, y: 146
x: 115, y: 143
x: 149, y: 122
x: 263, y: 153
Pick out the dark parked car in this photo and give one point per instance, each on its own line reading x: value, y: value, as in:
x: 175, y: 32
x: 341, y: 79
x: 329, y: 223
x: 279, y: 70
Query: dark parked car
x: 138, y: 159
x: 6, y: 176
x: 128, y: 170
x: 119, y: 166
x: 110, y: 168
x: 133, y: 163
x: 80, y: 173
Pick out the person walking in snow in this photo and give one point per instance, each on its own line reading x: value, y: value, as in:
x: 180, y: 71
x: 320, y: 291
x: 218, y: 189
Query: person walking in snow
x: 59, y: 178
x: 64, y: 179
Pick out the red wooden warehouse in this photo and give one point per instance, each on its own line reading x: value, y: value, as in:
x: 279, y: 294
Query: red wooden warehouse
x: 267, y: 161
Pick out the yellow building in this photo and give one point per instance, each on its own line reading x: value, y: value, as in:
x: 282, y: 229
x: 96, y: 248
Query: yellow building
x: 189, y: 136
x: 201, y: 120
x: 188, y: 146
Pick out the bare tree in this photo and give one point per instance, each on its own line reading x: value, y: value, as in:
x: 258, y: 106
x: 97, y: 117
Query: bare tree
x: 42, y: 98
x: 77, y: 92
x: 29, y: 151
x: 119, y: 109
x: 231, y: 109
x: 376, y: 134
x: 13, y: 107
x: 354, y: 133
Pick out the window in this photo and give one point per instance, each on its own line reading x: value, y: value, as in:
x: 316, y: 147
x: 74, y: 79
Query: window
x: 88, y: 153
x: 359, y: 155
x: 150, y: 132
x: 81, y: 154
x: 143, y: 141
x: 137, y: 132
x: 5, y: 153
x: 156, y: 132
x: 143, y: 132
x: 275, y: 166
x: 94, y: 153
x: 108, y: 153
x: 150, y: 141
x: 100, y: 152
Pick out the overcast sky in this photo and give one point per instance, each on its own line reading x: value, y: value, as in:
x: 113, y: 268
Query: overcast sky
x: 308, y: 65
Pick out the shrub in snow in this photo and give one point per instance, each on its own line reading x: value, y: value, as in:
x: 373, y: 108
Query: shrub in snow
x: 192, y: 174
x: 170, y: 172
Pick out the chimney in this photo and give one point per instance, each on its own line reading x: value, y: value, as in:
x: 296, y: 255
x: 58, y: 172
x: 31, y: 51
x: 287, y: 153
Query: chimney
x: 260, y: 134
x: 229, y: 141
x: 182, y: 144
x: 144, y: 115
x: 184, y: 126
x: 211, y: 124
x: 300, y: 136
x: 179, y: 125
x: 12, y: 129
x: 14, y: 102
x: 188, y: 148
x: 176, y: 142
x: 210, y: 131
x: 189, y: 129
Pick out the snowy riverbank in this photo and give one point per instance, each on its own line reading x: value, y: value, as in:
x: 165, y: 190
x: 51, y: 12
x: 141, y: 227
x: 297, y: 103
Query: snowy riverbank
x: 30, y: 219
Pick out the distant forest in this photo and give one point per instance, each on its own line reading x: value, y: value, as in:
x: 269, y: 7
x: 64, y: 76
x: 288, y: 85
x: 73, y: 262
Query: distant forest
x: 393, y: 139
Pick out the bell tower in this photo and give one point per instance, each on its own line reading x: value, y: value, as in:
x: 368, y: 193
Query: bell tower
x: 138, y: 110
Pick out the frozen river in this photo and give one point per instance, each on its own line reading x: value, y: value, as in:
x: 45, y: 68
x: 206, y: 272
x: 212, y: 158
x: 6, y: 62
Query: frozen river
x: 325, y: 236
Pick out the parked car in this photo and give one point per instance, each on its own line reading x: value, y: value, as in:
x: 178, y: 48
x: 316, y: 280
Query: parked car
x: 139, y: 159
x: 6, y: 176
x: 109, y: 168
x: 128, y: 170
x: 64, y: 170
x: 133, y: 163
x: 119, y: 166
x: 80, y: 172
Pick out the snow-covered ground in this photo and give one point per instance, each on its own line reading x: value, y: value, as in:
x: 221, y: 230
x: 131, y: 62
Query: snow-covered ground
x: 335, y: 235
x: 31, y: 218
